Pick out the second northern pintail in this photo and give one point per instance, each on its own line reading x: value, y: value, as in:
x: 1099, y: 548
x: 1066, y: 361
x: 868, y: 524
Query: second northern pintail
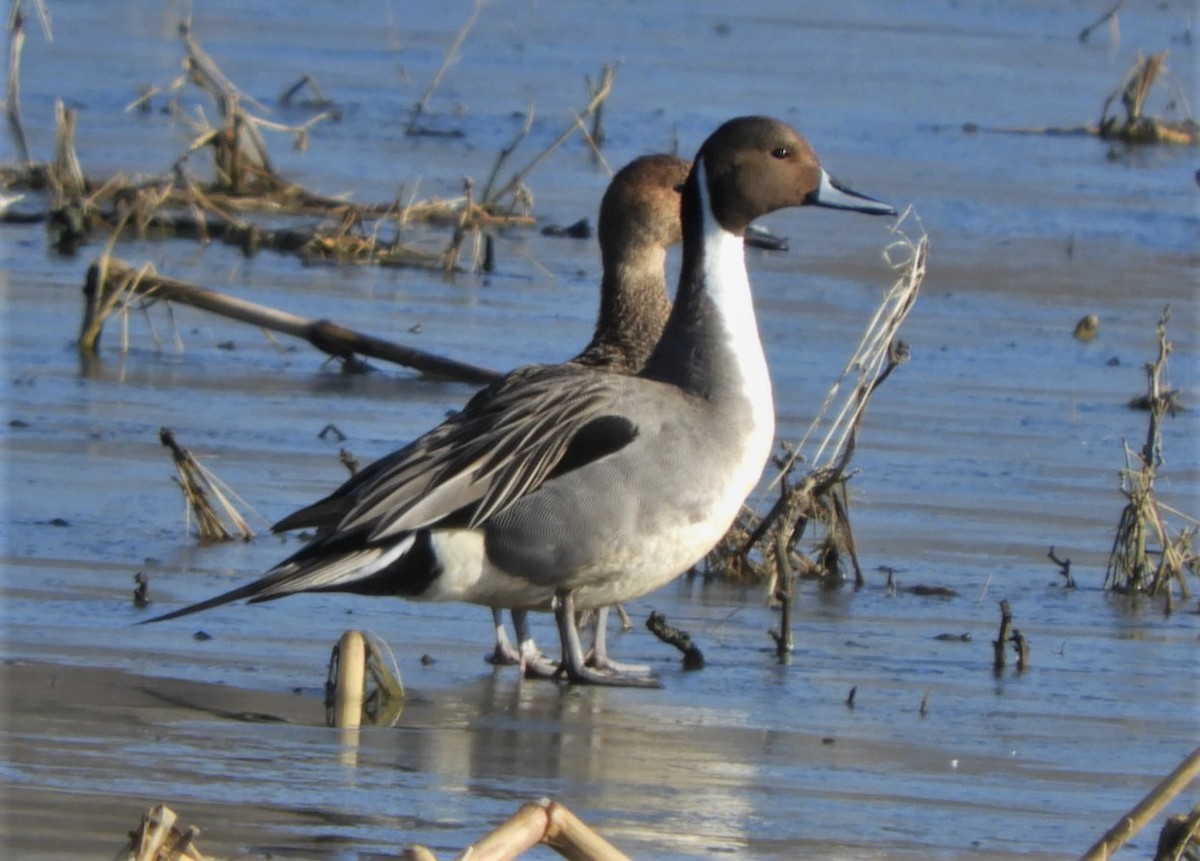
x: 581, y: 488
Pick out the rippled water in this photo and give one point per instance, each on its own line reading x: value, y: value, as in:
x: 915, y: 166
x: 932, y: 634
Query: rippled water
x: 1000, y: 438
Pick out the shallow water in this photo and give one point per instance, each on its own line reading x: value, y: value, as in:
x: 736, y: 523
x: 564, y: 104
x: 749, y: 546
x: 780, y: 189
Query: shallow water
x: 1001, y: 437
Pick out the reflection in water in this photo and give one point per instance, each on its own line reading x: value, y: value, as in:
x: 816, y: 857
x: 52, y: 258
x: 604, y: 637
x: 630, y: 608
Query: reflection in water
x: 506, y: 738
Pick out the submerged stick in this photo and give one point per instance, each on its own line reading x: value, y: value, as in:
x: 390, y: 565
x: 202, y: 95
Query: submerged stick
x: 110, y: 275
x: 785, y: 582
x: 693, y: 658
x: 1145, y: 810
x: 1064, y: 568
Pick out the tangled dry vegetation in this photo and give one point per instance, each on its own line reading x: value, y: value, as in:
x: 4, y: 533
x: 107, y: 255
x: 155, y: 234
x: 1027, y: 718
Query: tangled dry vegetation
x: 209, y: 501
x: 1154, y: 547
x: 1131, y: 123
x: 243, y: 197
x: 766, y: 549
x: 235, y: 195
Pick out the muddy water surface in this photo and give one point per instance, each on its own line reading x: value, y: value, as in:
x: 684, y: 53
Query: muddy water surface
x: 1000, y: 438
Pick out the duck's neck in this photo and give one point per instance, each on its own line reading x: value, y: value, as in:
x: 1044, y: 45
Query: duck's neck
x: 633, y: 310
x: 710, y: 346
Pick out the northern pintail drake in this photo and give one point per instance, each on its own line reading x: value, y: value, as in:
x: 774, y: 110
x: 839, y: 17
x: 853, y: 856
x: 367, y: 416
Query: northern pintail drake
x: 579, y: 488
x: 638, y: 221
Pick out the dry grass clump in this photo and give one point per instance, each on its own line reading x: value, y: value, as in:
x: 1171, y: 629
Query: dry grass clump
x: 1131, y: 124
x: 158, y: 838
x: 765, y: 549
x: 207, y: 497
x: 1154, y: 543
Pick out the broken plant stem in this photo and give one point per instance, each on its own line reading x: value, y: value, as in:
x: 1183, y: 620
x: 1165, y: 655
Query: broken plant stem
x: 693, y: 658
x: 785, y: 583
x: 597, y: 136
x: 1110, y: 18
x: 66, y: 173
x: 507, y: 151
x: 451, y: 56
x: 601, y: 93
x: 1021, y: 645
x: 1000, y: 644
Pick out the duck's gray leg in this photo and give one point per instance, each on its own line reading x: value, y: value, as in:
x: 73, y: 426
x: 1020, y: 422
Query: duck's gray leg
x: 503, y: 654
x: 573, y: 663
x: 533, y: 663
x: 600, y: 660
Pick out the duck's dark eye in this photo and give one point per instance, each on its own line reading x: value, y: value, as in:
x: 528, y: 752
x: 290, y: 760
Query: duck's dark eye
x: 781, y: 152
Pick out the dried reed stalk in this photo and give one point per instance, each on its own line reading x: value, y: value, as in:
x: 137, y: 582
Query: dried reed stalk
x: 1132, y: 125
x: 545, y: 823
x: 347, y: 679
x: 12, y: 91
x: 1149, y: 555
x: 105, y: 292
x: 450, y: 256
x: 66, y: 173
x: 1145, y: 810
x: 200, y: 487
x: 507, y: 151
x: 597, y: 136
x: 158, y: 838
x: 363, y: 683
